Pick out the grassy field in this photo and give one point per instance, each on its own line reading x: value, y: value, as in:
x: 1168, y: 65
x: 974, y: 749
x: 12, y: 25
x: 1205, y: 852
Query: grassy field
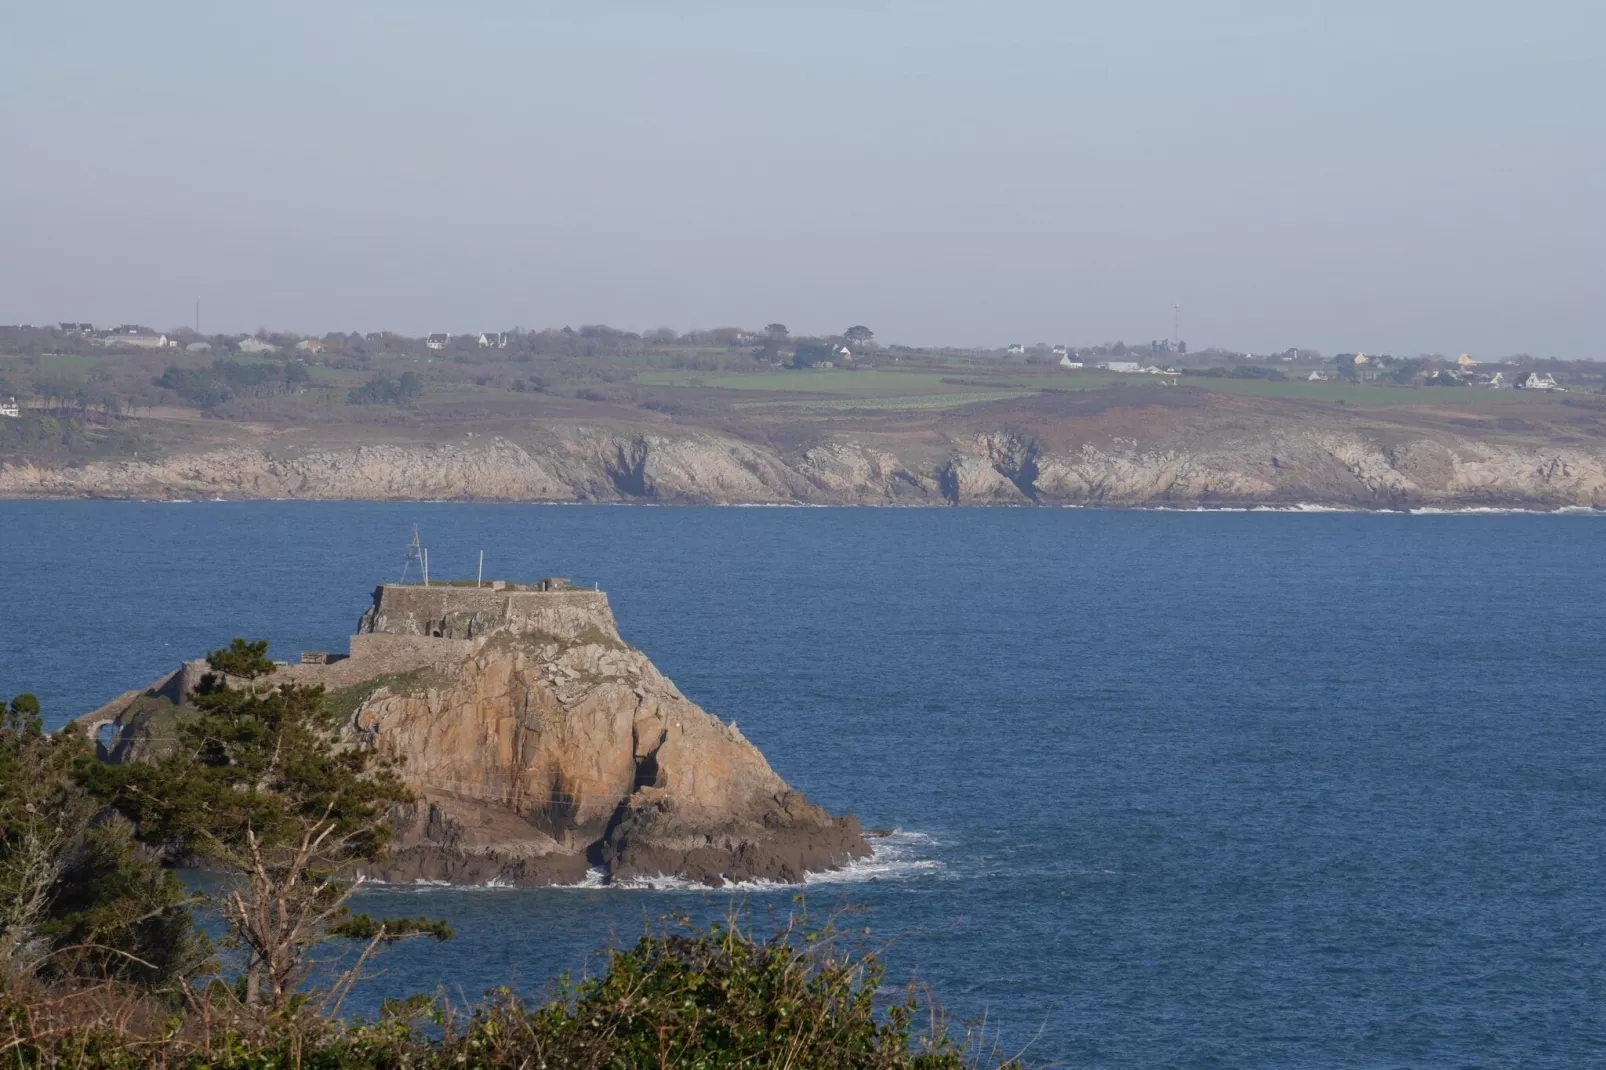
x: 826, y: 381
x: 937, y: 389
x: 70, y: 365
x: 1358, y: 393
x: 323, y: 376
x: 915, y: 402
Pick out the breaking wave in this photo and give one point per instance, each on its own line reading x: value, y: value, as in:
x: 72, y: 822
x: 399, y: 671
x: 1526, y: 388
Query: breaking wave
x: 894, y: 856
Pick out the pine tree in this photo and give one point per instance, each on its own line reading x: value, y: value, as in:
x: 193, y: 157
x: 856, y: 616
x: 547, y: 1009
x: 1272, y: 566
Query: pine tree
x: 261, y: 785
x: 76, y: 899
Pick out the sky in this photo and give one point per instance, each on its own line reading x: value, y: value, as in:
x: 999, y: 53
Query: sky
x: 1408, y: 176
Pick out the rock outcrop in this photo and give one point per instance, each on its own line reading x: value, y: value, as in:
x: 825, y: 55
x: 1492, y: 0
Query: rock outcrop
x: 542, y: 749
x: 1276, y: 462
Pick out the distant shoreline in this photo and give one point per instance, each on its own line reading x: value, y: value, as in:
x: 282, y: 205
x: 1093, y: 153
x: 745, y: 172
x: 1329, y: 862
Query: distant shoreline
x: 1300, y: 508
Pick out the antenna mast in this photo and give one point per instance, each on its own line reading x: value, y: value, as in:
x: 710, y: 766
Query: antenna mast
x: 414, y: 556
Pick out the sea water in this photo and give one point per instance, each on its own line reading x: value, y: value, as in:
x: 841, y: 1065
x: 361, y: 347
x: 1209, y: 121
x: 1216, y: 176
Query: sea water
x: 1181, y: 789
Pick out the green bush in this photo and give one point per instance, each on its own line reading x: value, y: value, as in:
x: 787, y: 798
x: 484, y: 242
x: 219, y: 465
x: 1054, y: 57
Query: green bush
x: 705, y: 998
x: 207, y: 388
x: 383, y: 390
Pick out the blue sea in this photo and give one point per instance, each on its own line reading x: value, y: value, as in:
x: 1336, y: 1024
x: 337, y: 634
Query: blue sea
x: 1172, y: 789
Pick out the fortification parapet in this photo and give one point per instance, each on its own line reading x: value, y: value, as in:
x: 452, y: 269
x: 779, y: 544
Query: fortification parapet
x: 472, y: 612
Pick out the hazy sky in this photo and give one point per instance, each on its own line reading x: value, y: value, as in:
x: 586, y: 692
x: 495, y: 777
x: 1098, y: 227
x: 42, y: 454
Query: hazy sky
x: 1404, y: 176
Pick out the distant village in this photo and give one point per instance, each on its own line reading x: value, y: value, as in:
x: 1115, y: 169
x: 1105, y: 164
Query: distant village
x: 599, y: 363
x: 134, y: 336
x: 1172, y: 359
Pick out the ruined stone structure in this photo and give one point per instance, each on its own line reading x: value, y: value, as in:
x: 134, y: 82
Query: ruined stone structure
x: 540, y: 747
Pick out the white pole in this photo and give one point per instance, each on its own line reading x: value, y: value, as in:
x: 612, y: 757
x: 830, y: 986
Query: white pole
x: 480, y: 580
x: 426, y: 566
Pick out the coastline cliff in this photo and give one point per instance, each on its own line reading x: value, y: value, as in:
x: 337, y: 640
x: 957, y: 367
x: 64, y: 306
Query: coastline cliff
x: 542, y: 749
x: 1284, y: 463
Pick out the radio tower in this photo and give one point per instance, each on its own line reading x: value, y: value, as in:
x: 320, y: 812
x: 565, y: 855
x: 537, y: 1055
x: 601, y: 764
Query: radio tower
x: 414, y: 556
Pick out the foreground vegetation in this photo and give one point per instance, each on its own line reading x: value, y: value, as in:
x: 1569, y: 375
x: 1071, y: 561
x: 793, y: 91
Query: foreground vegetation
x: 102, y: 963
x: 715, y: 997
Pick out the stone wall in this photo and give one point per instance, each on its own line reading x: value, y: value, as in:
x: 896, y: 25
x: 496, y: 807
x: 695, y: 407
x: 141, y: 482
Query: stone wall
x: 469, y: 612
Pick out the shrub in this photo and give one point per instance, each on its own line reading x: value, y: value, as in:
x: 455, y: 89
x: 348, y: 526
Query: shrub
x: 383, y: 390
x: 716, y: 998
x: 207, y: 388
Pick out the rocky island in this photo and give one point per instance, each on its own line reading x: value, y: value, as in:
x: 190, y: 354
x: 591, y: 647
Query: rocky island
x: 541, y: 748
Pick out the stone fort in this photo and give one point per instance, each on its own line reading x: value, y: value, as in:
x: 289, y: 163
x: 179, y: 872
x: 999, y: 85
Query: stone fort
x: 407, y: 627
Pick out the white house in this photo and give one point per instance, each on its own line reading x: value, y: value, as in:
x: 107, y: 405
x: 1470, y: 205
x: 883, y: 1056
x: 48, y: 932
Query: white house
x: 1539, y: 381
x: 437, y: 341
x: 1496, y: 381
x: 1015, y: 349
x: 142, y: 340
x: 1124, y: 367
x: 257, y: 345
x: 1317, y: 377
x: 491, y: 341
x: 10, y: 408
x: 1061, y: 351
x: 1067, y: 362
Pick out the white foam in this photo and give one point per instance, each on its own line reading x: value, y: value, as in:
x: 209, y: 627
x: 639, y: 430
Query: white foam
x: 1490, y: 510
x: 594, y: 878
x: 1312, y: 507
x: 421, y: 885
x: 894, y: 856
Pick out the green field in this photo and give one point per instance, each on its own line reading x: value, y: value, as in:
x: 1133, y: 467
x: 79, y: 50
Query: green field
x: 826, y: 381
x: 937, y: 389
x: 921, y: 401
x: 1357, y: 393
x: 71, y: 365
x: 323, y: 376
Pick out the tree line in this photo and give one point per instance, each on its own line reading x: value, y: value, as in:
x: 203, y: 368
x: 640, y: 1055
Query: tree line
x: 224, y: 380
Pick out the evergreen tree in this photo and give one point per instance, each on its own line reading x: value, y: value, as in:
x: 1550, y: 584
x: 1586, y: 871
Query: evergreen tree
x: 261, y: 786
x: 76, y: 898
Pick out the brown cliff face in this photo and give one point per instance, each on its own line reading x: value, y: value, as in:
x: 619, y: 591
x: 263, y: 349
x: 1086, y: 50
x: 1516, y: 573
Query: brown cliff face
x: 542, y: 748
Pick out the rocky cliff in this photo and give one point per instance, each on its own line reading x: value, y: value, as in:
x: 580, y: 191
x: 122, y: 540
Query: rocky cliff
x: 542, y: 748
x: 1285, y: 461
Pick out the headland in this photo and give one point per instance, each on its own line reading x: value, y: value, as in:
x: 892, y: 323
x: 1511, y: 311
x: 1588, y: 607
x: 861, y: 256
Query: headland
x: 541, y: 748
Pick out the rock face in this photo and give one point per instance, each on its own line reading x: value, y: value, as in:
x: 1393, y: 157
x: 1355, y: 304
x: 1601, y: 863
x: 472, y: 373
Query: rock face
x: 1287, y: 460
x: 542, y: 749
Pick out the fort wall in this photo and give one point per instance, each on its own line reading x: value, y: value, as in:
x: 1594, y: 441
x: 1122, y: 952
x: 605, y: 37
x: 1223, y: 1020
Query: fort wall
x: 408, y: 628
x: 470, y: 612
